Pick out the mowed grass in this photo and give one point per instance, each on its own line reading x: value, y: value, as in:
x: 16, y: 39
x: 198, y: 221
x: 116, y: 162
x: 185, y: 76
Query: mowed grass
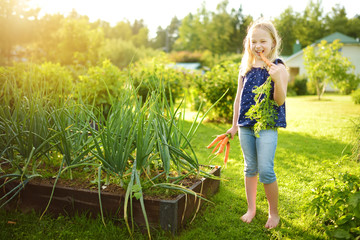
x: 311, y: 149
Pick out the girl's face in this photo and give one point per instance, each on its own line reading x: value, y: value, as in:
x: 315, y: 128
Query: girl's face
x: 261, y: 41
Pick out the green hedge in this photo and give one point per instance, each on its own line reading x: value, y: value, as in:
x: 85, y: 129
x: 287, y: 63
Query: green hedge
x: 356, y: 96
x: 298, y: 86
x: 151, y: 74
x: 49, y: 80
x: 100, y: 85
x: 220, y: 79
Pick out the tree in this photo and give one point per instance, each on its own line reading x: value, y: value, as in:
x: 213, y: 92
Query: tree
x: 240, y: 24
x: 336, y: 21
x: 219, y: 31
x: 122, y: 30
x: 165, y: 38
x: 311, y: 25
x: 16, y: 25
x: 324, y: 63
x: 45, y: 47
x: 353, y: 29
x: 191, y: 32
x: 159, y: 42
x: 286, y: 24
x: 77, y: 43
x: 213, y: 31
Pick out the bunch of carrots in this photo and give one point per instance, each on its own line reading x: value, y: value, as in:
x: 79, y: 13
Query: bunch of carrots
x: 222, y: 142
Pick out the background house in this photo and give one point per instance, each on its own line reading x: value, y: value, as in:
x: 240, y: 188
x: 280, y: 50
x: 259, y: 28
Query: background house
x: 350, y: 49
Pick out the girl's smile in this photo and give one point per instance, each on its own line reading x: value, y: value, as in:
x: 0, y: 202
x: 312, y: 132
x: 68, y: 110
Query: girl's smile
x: 260, y: 41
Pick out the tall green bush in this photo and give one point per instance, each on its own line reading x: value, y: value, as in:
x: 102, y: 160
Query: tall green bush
x: 121, y: 53
x: 150, y: 74
x: 299, y: 85
x: 356, y: 142
x: 356, y: 96
x: 100, y: 85
x: 50, y: 80
x: 221, y: 78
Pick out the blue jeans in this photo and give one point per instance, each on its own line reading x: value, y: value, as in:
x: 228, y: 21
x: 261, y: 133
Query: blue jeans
x: 259, y: 153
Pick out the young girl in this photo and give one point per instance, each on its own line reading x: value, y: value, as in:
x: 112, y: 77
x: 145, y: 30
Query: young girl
x: 259, y: 152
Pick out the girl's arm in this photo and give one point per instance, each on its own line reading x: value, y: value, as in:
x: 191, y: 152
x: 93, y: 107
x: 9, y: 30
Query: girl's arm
x: 236, y: 108
x: 280, y: 77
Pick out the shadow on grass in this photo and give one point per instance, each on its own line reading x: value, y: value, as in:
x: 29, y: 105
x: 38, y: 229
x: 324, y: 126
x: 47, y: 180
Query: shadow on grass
x: 222, y: 219
x: 299, y: 151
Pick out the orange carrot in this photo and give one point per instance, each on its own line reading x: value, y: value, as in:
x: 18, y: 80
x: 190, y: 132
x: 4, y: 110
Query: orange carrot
x: 227, y: 152
x: 265, y: 59
x: 222, y: 146
x: 218, y: 138
x: 216, y: 147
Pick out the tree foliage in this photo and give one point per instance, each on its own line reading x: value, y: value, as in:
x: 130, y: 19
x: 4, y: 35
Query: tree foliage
x: 219, y: 32
x: 324, y: 63
x: 313, y: 24
x: 74, y: 39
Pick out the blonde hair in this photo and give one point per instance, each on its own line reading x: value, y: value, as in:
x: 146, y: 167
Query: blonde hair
x: 248, y: 58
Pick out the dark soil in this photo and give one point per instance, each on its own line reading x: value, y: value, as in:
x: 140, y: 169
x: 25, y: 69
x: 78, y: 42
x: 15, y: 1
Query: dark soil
x: 150, y: 193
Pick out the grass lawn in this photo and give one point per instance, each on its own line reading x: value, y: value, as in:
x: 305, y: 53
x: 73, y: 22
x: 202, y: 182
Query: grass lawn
x: 310, y: 149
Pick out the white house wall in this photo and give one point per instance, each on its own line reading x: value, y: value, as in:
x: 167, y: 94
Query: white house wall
x: 297, y: 62
x: 352, y: 52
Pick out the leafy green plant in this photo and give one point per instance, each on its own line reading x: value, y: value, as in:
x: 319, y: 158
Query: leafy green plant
x: 299, y: 85
x: 101, y: 85
x: 264, y: 109
x: 73, y: 141
x: 356, y: 142
x: 336, y: 203
x: 356, y: 96
x: 147, y: 73
x: 22, y: 173
x: 219, y: 80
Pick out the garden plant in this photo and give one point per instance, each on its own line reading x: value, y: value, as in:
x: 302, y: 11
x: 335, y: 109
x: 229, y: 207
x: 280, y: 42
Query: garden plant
x: 138, y: 142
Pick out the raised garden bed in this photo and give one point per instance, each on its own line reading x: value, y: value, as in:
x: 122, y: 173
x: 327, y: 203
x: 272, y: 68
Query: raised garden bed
x: 169, y: 214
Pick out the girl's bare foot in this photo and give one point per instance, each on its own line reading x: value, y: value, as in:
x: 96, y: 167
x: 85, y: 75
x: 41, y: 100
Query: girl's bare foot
x: 272, y: 221
x: 248, y: 217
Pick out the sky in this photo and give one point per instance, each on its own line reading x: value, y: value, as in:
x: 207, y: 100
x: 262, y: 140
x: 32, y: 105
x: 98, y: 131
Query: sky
x: 160, y: 12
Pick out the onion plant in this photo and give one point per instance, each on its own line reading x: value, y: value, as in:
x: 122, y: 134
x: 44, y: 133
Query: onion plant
x: 25, y: 134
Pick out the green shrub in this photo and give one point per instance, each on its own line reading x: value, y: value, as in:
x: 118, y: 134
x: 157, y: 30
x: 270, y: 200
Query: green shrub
x: 336, y: 204
x: 51, y: 81
x: 221, y: 78
x: 356, y: 96
x: 210, y: 60
x: 101, y: 85
x: 349, y: 84
x: 121, y: 53
x: 356, y: 142
x: 299, y: 85
x: 150, y: 74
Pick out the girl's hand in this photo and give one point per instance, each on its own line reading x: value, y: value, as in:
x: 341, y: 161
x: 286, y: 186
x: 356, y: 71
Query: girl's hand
x: 233, y: 130
x: 276, y: 72
x: 280, y: 77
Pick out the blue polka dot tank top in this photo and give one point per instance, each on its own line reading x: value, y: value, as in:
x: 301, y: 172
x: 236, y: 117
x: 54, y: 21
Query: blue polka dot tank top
x: 256, y: 77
